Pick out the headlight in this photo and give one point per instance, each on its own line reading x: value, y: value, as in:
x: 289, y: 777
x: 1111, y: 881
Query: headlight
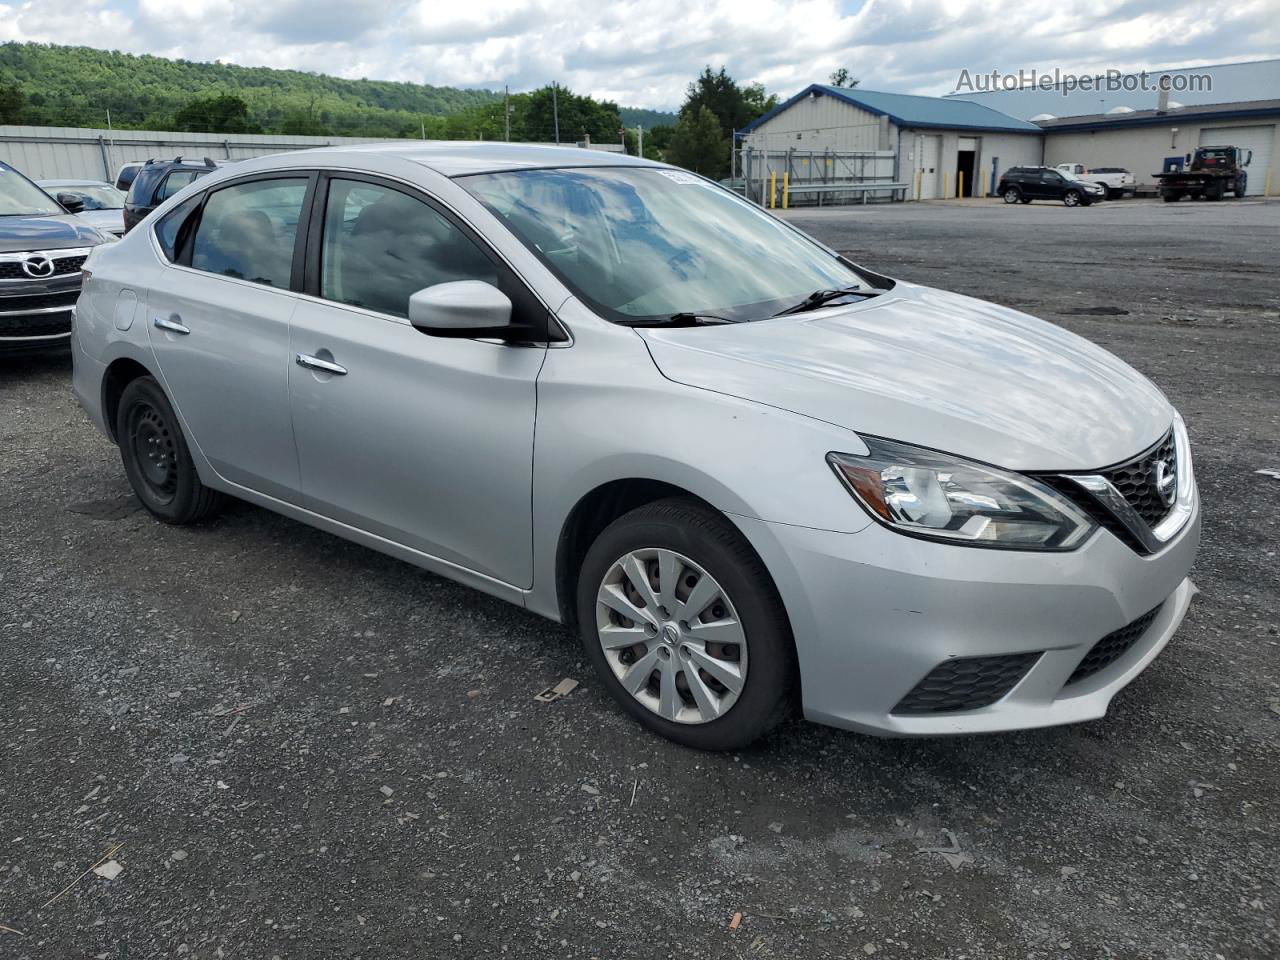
x: 935, y: 495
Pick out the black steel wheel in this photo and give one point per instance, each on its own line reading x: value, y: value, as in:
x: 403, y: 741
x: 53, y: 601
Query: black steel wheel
x: 156, y: 458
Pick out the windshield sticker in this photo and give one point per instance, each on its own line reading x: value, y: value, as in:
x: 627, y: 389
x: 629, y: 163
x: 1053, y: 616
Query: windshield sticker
x: 678, y: 177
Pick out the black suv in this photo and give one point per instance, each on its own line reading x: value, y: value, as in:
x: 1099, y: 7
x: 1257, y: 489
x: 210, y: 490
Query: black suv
x: 1024, y: 184
x: 42, y: 249
x: 158, y: 180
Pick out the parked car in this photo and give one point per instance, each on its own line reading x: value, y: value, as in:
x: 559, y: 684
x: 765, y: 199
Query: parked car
x: 156, y: 181
x: 126, y: 173
x: 762, y: 473
x: 101, y: 204
x: 1117, y: 181
x: 1024, y: 184
x: 42, y: 248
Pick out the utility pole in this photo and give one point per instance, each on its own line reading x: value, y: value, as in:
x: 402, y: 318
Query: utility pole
x: 639, y: 140
x: 506, y: 110
x: 424, y: 129
x: 555, y: 109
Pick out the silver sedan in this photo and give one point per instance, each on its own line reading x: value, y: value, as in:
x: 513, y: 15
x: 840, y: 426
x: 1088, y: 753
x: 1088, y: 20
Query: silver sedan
x: 750, y: 474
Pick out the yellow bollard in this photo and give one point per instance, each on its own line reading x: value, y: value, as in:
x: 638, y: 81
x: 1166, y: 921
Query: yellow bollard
x: 773, y: 189
x: 946, y: 185
x: 959, y: 184
x: 919, y: 178
x: 786, y: 189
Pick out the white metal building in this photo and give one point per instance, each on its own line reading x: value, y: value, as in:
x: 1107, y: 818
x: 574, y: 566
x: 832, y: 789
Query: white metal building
x: 1141, y: 140
x: 938, y: 147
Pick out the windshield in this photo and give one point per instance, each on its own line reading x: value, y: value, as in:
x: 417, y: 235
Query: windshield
x: 105, y: 197
x: 647, y: 243
x: 19, y: 197
x: 1070, y: 176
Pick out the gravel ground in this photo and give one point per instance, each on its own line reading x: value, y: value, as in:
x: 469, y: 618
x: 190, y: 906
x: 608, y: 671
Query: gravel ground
x: 308, y: 750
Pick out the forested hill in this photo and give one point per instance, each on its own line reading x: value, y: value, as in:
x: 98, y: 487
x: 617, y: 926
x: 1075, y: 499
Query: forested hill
x: 75, y: 86
x: 47, y: 85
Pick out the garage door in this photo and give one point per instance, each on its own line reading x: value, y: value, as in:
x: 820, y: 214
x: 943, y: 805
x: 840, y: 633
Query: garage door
x: 1257, y: 139
x: 928, y: 151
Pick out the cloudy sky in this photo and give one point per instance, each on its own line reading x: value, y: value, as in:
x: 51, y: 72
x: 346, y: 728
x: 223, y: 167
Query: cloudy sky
x: 644, y: 52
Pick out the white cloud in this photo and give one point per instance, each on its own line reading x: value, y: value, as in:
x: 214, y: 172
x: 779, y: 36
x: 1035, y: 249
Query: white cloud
x: 645, y: 52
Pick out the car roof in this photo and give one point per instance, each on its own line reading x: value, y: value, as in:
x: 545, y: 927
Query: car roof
x: 454, y: 158
x: 73, y: 183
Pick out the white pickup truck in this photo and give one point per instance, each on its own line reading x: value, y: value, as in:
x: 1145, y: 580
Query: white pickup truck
x: 1118, y: 181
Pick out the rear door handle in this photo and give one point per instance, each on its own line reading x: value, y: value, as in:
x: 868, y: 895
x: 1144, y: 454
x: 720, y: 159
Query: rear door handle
x: 315, y: 363
x: 172, y: 325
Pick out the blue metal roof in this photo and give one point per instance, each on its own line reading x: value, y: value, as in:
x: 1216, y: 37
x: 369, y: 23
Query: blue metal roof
x: 909, y: 110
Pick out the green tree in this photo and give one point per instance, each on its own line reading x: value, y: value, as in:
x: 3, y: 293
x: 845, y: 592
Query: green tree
x: 697, y: 144
x: 733, y: 106
x: 11, y: 101
x: 221, y: 114
x: 842, y: 78
x: 300, y: 123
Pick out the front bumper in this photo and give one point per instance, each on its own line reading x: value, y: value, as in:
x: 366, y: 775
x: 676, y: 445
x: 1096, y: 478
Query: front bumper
x: 875, y: 612
x: 36, y: 314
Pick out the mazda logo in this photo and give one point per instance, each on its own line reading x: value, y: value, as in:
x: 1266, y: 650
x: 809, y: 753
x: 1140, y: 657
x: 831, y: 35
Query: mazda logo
x: 1166, y: 477
x: 38, y: 267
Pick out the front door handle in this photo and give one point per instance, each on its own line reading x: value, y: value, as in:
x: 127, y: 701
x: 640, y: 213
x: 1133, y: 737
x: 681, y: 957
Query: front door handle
x: 172, y: 325
x: 315, y: 363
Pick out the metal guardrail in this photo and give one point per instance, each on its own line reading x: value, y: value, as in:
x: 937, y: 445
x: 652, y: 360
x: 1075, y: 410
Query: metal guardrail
x: 863, y: 187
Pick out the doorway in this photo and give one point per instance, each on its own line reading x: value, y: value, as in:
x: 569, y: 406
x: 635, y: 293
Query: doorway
x: 966, y: 166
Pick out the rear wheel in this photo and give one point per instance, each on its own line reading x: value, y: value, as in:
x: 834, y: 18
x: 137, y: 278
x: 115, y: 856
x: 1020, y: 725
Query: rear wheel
x: 1171, y: 197
x: 684, y: 626
x: 155, y: 456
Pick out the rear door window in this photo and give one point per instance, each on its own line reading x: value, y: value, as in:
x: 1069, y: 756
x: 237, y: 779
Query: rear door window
x: 248, y: 230
x: 174, y: 182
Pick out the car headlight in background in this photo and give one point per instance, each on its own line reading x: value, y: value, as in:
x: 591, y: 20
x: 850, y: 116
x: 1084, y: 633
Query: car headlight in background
x: 935, y: 495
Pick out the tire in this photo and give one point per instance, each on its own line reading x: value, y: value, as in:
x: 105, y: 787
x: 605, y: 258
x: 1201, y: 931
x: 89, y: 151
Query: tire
x: 1242, y: 187
x: 156, y: 459
x: 1171, y: 197
x: 1012, y: 195
x: 1072, y: 198
x: 1215, y: 191
x: 683, y: 541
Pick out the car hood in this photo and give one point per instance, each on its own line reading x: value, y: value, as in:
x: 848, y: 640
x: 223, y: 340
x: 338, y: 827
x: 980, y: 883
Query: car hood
x: 935, y: 369
x: 46, y: 233
x: 108, y: 221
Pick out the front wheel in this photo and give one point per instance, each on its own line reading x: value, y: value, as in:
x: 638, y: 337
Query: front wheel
x: 1242, y: 187
x: 1012, y: 195
x: 685, y: 627
x: 1071, y: 198
x: 155, y: 456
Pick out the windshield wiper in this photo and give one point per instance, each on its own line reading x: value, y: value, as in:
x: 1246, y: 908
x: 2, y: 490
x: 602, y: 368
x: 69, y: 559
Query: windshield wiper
x: 821, y: 298
x: 680, y: 320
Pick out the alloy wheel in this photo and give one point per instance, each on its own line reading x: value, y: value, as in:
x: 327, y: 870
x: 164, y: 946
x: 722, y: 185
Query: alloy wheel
x: 671, y: 636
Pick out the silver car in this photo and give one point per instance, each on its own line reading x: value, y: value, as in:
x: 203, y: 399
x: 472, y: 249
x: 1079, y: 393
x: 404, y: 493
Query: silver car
x: 750, y: 474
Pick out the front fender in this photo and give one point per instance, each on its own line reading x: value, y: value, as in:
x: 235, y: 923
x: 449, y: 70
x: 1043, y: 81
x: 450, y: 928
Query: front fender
x: 606, y: 413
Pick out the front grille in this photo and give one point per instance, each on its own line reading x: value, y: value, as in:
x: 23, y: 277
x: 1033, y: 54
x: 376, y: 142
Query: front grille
x: 35, y: 325
x: 38, y: 301
x: 966, y: 683
x: 1112, y: 647
x: 1137, y: 483
x: 12, y: 270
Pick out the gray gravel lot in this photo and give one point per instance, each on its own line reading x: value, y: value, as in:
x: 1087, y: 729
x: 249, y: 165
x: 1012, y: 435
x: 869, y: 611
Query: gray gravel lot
x: 228, y: 702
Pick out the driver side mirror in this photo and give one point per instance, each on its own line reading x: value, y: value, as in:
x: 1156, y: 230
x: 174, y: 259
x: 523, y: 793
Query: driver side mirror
x: 73, y: 203
x: 464, y: 309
